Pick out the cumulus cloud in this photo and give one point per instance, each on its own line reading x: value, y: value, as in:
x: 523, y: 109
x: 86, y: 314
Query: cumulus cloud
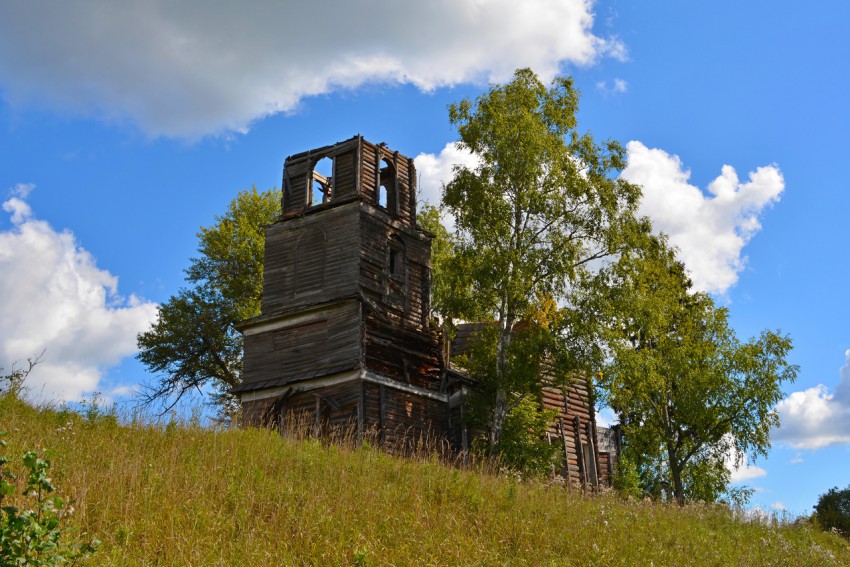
x: 711, y: 229
x: 54, y: 298
x: 815, y: 418
x: 744, y: 470
x: 192, y: 68
x: 435, y: 170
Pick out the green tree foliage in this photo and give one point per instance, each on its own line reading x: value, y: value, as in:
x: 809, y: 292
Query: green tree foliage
x: 833, y: 510
x: 193, y: 343
x: 543, y: 203
x: 687, y: 391
x: 523, y: 446
x: 451, y: 289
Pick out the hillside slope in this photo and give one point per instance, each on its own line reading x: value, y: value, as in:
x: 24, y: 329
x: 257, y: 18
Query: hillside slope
x: 184, y: 495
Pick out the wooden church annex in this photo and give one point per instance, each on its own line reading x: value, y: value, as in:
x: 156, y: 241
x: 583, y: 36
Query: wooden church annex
x: 345, y: 334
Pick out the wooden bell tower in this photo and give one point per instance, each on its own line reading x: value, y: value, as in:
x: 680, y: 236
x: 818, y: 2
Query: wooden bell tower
x: 344, y: 331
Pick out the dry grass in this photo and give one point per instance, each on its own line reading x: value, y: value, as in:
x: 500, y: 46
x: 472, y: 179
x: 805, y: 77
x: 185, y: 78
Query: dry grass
x: 186, y: 495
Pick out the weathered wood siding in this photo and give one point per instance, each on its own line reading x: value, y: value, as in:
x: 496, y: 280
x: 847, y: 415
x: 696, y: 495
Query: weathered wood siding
x: 298, y: 175
x: 401, y: 185
x: 573, y: 430
x: 609, y: 452
x: 334, y: 407
x: 404, y: 295
x: 403, y: 416
x: 346, y: 293
x: 302, y: 347
x: 401, y: 419
x: 311, y: 259
x: 395, y: 287
x: 254, y: 412
x: 400, y: 353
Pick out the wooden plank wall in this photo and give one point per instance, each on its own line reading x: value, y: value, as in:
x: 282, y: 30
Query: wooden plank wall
x: 403, y: 416
x: 400, y: 419
x: 321, y: 410
x: 404, y: 299
x: 298, y: 169
x: 398, y: 341
x: 609, y: 449
x: 338, y: 249
x: 254, y: 412
x: 311, y: 259
x: 401, y: 354
x: 401, y: 205
x: 328, y: 342
x: 569, y: 429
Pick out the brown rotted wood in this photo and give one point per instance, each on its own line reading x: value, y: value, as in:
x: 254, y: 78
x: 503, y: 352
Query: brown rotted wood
x: 592, y: 468
x: 563, y: 433
x: 411, y: 190
x: 582, y: 466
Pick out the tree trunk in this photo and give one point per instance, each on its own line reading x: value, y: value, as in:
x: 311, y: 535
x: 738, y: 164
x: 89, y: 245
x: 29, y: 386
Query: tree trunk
x: 676, y: 474
x: 500, y: 412
x: 500, y: 405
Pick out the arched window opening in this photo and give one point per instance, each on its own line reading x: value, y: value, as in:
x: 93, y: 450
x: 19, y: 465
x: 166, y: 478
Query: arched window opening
x: 386, y: 189
x: 321, y: 182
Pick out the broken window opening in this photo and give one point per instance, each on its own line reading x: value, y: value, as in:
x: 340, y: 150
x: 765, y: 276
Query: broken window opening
x: 386, y: 189
x: 321, y: 182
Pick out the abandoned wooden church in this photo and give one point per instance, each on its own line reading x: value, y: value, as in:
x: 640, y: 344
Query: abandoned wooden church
x: 345, y: 332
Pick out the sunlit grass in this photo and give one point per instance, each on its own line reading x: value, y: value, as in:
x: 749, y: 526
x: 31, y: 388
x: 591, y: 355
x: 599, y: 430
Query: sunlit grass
x: 187, y: 495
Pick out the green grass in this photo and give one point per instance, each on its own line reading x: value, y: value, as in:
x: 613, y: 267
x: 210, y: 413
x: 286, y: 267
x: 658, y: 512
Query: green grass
x: 185, y: 495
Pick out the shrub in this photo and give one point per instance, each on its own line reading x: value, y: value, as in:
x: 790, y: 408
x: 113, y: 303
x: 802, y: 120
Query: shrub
x: 627, y: 478
x: 34, y: 536
x: 833, y: 511
x: 524, y: 447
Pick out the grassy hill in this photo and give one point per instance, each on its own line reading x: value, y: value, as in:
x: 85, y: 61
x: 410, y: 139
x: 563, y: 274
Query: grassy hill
x: 185, y: 495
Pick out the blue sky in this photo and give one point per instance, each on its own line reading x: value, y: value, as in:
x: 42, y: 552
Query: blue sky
x: 123, y: 130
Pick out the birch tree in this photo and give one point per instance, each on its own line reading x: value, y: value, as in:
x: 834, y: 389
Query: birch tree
x: 689, y: 393
x: 544, y: 202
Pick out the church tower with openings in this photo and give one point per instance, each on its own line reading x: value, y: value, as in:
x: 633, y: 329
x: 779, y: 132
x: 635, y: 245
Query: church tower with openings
x: 345, y: 332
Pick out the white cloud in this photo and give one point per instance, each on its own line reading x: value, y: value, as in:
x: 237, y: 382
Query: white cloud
x: 618, y: 86
x: 435, y: 170
x: 606, y: 417
x: 192, y: 68
x: 710, y: 229
x: 53, y: 297
x: 743, y: 472
x: 814, y: 418
x: 22, y: 190
x: 746, y: 472
x: 797, y: 459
